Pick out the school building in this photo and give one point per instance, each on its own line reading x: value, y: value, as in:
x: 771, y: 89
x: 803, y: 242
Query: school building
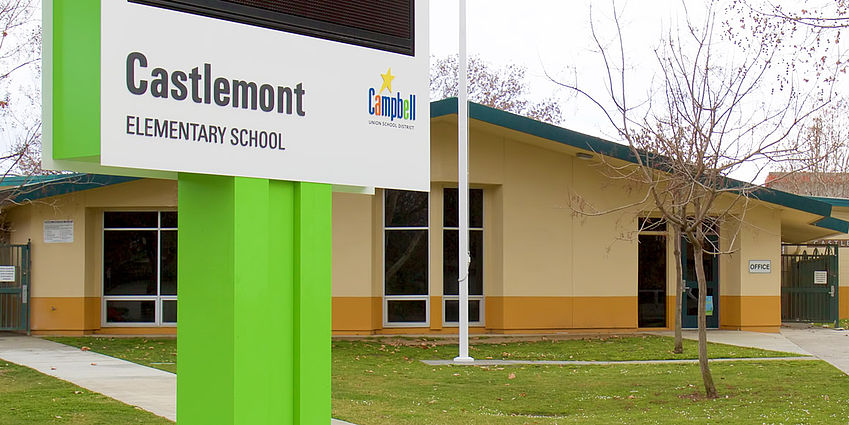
x: 104, y: 248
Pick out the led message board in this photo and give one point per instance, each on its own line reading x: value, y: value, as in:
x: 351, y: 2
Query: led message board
x: 385, y: 25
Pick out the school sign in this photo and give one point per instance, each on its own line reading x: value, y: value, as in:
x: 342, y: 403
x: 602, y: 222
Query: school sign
x: 217, y: 87
x: 256, y: 108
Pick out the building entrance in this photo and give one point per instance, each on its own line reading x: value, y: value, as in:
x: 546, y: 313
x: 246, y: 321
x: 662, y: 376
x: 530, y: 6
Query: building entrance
x: 690, y: 301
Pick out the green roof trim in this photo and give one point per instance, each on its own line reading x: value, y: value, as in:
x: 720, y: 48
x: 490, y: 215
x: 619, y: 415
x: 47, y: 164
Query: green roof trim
x: 832, y: 223
x: 537, y: 128
x: 60, y: 184
x: 836, y: 202
x: 24, y: 180
x: 791, y: 200
x: 615, y: 150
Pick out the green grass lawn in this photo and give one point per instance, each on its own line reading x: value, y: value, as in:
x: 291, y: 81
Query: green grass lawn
x: 29, y: 397
x: 377, y: 383
x: 160, y: 353
x: 385, y: 383
x: 842, y: 323
x: 612, y: 348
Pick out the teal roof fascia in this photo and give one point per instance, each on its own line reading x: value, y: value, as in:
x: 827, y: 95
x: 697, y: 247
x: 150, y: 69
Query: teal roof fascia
x: 832, y: 223
x: 615, y: 150
x: 68, y: 183
x: 533, y: 127
x: 837, y: 202
x: 25, y: 180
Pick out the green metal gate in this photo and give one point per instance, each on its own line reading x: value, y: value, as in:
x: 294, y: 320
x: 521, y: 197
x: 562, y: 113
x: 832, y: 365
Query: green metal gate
x: 809, y: 283
x: 15, y: 287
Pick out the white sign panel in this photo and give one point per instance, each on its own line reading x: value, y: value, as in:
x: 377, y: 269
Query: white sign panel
x: 820, y: 277
x: 59, y: 231
x: 182, y: 92
x: 760, y: 266
x: 7, y: 273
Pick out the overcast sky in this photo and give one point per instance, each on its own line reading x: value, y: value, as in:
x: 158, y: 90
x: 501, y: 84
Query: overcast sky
x: 548, y: 36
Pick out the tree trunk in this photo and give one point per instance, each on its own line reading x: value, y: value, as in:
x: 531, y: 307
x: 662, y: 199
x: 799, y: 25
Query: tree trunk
x: 707, y: 378
x: 679, y: 289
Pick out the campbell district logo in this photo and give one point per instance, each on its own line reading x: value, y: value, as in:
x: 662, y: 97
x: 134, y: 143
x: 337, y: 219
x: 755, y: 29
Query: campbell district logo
x: 383, y: 103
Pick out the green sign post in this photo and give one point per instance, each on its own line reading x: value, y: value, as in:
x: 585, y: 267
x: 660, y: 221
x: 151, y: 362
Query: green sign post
x: 254, y: 300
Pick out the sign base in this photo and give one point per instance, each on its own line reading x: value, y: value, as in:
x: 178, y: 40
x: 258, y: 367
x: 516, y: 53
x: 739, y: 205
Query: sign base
x: 254, y: 301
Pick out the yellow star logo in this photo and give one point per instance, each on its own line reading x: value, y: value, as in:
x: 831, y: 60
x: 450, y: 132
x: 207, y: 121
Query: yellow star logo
x: 387, y: 81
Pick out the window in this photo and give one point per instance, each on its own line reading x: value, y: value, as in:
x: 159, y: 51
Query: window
x: 651, y: 274
x: 385, y: 25
x: 451, y: 234
x: 405, y: 259
x: 139, y: 268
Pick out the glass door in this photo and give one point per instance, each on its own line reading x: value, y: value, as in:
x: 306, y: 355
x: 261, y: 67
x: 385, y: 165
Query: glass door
x: 690, y: 301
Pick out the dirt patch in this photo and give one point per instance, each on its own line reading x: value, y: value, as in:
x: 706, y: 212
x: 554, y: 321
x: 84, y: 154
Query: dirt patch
x: 697, y: 396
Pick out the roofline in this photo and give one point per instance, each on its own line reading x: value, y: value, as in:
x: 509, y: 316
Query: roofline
x: 25, y: 180
x: 832, y: 223
x: 60, y: 184
x: 836, y: 202
x: 592, y: 144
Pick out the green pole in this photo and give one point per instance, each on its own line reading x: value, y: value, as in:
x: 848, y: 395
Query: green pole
x: 254, y: 301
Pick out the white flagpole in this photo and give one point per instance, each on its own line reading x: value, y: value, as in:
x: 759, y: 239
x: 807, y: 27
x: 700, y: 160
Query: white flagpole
x: 463, y: 189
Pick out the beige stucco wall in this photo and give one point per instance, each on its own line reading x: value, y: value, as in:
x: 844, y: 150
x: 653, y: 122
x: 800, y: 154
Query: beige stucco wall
x: 67, y: 277
x: 548, y: 266
x: 58, y: 268
x: 759, y: 238
x: 352, y: 245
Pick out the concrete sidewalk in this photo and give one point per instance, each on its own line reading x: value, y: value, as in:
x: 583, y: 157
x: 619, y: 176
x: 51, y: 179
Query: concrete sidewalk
x: 831, y: 345
x: 764, y: 341
x: 151, y: 389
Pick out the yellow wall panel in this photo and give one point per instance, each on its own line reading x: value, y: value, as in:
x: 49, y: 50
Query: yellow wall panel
x: 843, y: 293
x: 756, y: 313
x: 354, y: 313
x: 604, y: 312
x: 64, y: 313
x: 528, y: 312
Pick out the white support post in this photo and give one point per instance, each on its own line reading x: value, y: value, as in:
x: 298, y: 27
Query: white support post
x: 463, y: 190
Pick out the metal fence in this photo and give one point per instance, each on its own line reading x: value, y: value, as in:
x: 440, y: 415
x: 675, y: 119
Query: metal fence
x: 15, y: 288
x: 809, y: 283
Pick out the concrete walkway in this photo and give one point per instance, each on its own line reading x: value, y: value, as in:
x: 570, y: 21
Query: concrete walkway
x: 150, y: 389
x: 830, y: 345
x: 827, y: 344
x: 764, y: 341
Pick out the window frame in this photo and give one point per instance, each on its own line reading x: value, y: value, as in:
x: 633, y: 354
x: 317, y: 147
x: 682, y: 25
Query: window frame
x: 482, y: 317
x: 158, y: 298
x: 667, y: 236
x: 387, y: 298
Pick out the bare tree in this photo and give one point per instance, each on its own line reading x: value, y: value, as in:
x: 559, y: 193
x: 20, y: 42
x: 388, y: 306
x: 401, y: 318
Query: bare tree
x: 504, y: 88
x: 807, y: 32
x: 705, y: 123
x: 819, y: 15
x: 20, y: 95
x: 822, y: 169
